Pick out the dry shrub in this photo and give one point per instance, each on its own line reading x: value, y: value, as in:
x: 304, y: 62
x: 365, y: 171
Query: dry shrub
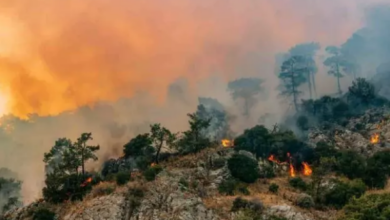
x: 103, y: 188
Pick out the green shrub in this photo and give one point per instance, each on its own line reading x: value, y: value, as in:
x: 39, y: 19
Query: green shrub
x: 71, y: 187
x: 44, y: 214
x: 368, y: 207
x: 227, y: 186
x: 136, y: 192
x: 183, y: 184
x: 298, y: 183
x: 244, y: 168
x: 123, y: 177
x: 351, y: 164
x: 240, y: 203
x: 243, y: 190
x: 218, y: 163
x: 342, y: 192
x: 303, y: 123
x: 151, y: 173
x: 378, y: 169
x: 103, y: 189
x: 273, y: 188
x: 247, y: 214
x: 305, y: 201
x: 267, y: 172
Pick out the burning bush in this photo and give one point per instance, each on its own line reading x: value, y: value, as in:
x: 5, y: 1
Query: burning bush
x: 244, y: 168
x: 64, y: 181
x: 66, y: 188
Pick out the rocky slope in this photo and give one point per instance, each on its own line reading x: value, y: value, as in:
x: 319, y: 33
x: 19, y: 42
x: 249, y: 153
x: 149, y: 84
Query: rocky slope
x: 187, y: 190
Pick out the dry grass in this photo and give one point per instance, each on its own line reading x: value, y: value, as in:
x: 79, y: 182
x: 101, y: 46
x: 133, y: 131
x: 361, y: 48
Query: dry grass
x: 102, y: 189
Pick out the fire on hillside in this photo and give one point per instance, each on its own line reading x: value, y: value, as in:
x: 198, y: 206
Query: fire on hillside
x: 227, y: 143
x: 307, y: 171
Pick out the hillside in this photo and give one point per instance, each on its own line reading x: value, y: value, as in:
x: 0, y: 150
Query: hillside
x: 189, y: 186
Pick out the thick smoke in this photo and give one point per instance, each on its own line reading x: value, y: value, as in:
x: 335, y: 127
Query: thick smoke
x: 143, y: 61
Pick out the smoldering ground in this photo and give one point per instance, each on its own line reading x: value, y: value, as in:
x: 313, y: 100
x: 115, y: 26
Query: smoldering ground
x: 59, y: 56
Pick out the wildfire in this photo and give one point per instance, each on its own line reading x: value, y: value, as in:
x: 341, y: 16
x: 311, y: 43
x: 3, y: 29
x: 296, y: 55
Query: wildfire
x: 273, y: 159
x: 227, y: 143
x: 292, y: 171
x: 153, y: 164
x: 85, y: 183
x: 374, y: 138
x: 307, y: 171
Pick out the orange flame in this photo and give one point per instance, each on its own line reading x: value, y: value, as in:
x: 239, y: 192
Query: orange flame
x: 374, y: 138
x: 227, y: 143
x: 86, y: 182
x: 153, y: 164
x: 292, y: 171
x: 273, y: 159
x: 307, y: 171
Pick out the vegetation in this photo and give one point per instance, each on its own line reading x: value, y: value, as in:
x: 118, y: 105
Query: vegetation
x: 305, y: 201
x: 228, y: 186
x: 292, y: 76
x: 342, y: 192
x: 373, y: 206
x: 244, y: 168
x: 122, y: 178
x: 63, y: 162
x: 253, y: 205
x: 9, y: 194
x: 43, y: 214
x: 151, y: 173
x: 298, y: 183
x: 334, y: 63
x: 273, y: 187
x: 246, y: 89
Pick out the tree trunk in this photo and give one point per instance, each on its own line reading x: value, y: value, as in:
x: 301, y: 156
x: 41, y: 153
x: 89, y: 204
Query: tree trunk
x: 246, y: 107
x: 82, y: 160
x: 314, y: 84
x: 338, y: 85
x: 158, y: 150
x: 294, y: 92
x: 309, y: 83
